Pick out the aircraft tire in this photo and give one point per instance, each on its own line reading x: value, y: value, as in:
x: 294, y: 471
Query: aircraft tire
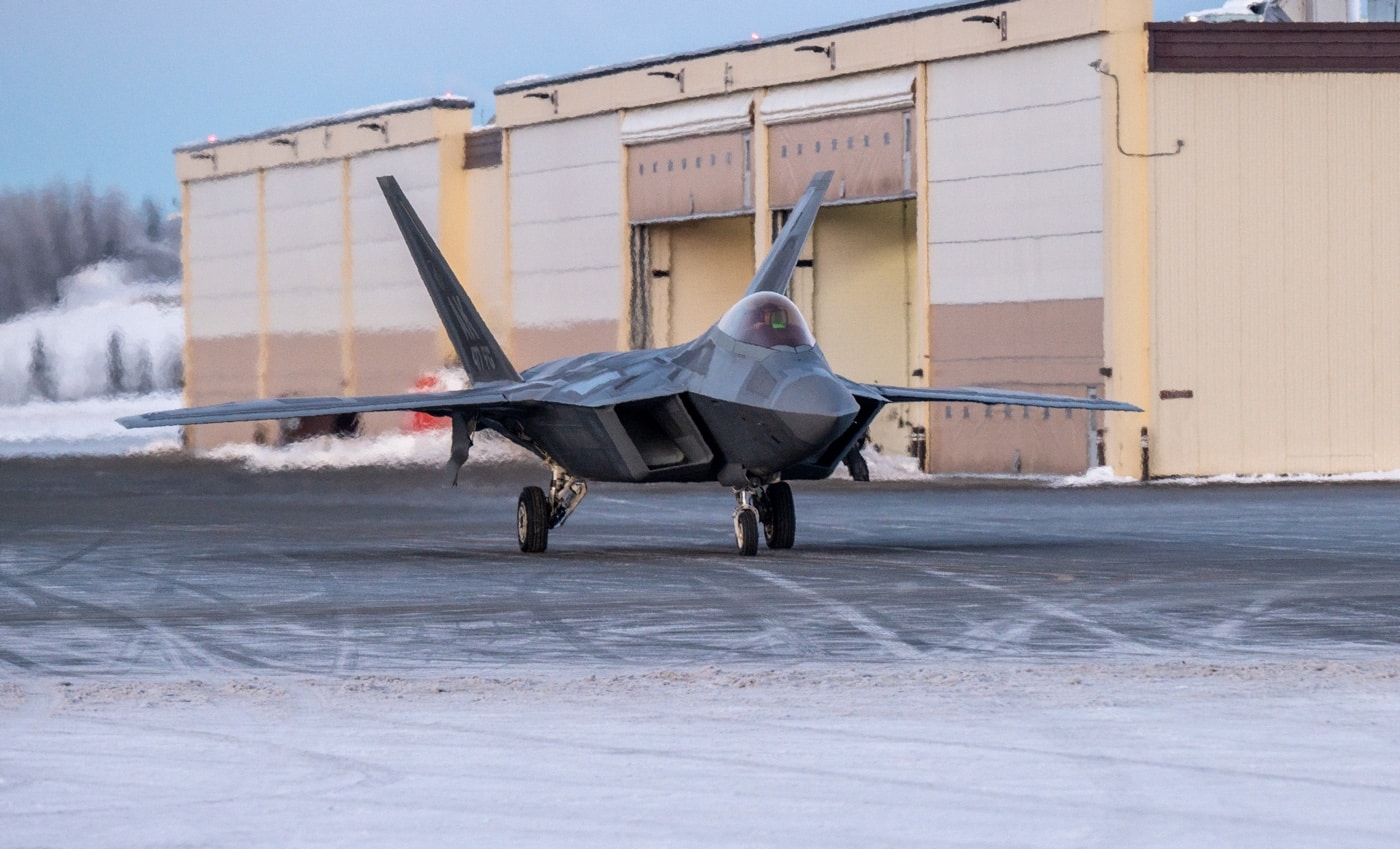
x: 855, y: 463
x: 746, y: 531
x: 532, y: 520
x: 780, y: 527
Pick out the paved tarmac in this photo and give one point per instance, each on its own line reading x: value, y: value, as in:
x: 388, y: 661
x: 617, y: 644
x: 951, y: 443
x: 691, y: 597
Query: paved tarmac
x: 169, y: 566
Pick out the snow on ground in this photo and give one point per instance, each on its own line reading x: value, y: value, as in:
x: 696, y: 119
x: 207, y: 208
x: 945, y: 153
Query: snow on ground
x: 106, y: 330
x: 54, y: 428
x: 1186, y: 753
x: 426, y: 448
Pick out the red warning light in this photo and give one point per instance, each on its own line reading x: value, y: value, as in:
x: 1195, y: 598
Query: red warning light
x: 212, y: 138
x: 753, y: 36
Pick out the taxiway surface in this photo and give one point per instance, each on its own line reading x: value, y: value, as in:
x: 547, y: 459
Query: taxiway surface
x: 162, y: 565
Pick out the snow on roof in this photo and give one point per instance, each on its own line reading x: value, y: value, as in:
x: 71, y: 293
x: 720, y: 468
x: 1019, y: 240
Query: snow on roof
x: 392, y: 108
x: 742, y: 46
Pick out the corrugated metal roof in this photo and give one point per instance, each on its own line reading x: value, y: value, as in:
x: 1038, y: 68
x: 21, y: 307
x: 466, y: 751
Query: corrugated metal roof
x: 744, y: 46
x: 445, y: 102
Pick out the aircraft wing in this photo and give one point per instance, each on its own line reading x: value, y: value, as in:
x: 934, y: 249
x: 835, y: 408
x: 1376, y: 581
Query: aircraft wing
x: 441, y: 403
x: 984, y: 395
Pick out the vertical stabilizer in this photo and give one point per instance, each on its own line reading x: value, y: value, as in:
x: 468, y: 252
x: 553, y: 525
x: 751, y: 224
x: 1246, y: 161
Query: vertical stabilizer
x: 478, y: 349
x: 776, y: 271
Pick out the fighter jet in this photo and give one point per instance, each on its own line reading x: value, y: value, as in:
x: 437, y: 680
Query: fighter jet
x: 751, y: 404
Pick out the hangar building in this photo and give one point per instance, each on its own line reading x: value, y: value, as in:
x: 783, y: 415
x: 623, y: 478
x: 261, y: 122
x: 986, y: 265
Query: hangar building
x: 1052, y: 196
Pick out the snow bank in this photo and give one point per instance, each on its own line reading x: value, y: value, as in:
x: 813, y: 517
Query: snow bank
x: 89, y: 426
x: 108, y: 336
x: 428, y: 448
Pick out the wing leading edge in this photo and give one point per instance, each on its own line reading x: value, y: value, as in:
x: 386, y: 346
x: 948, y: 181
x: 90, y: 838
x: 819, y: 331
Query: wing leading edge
x: 439, y: 403
x: 983, y: 395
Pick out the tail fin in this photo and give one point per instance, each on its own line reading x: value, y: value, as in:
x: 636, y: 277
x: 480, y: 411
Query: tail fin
x: 478, y: 349
x: 775, y: 272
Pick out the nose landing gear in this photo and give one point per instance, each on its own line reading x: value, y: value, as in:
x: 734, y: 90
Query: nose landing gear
x: 772, y: 507
x: 536, y: 513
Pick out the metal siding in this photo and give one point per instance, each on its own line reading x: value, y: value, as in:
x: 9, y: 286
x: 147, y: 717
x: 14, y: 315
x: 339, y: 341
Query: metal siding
x: 223, y: 257
x: 565, y: 219
x: 1274, y: 270
x: 304, y: 243
x: 1016, y: 177
x: 387, y: 292
x: 710, y: 264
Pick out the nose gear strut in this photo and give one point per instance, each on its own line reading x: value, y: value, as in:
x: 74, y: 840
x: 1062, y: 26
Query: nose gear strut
x: 770, y: 506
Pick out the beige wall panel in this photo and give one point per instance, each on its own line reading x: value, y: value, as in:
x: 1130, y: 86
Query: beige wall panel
x: 869, y: 153
x: 566, y: 223
x: 388, y: 295
x: 710, y: 263
x: 1040, y: 346
x: 227, y: 371
x: 305, y: 236
x: 535, y: 345
x: 1026, y: 269
x: 304, y: 364
x: 1038, y: 342
x: 1016, y: 179
x: 223, y: 257
x: 972, y: 438
x: 701, y: 175
x: 1273, y: 271
x: 487, y: 239
x: 1046, y: 138
x: 1041, y: 205
x: 387, y: 362
x: 1045, y: 74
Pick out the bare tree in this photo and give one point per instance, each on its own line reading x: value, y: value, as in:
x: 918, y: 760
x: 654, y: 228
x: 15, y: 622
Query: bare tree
x: 47, y: 234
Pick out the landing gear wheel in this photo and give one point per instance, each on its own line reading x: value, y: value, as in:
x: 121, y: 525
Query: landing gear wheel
x: 746, y: 531
x: 780, y: 519
x: 532, y: 520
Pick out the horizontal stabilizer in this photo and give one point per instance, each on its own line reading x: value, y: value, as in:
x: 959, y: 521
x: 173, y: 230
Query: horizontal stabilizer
x: 438, y: 403
x: 776, y: 271
x: 982, y: 395
x: 478, y: 349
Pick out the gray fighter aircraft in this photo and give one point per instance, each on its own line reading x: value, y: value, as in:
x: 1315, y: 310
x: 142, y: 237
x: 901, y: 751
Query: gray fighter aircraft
x: 751, y: 403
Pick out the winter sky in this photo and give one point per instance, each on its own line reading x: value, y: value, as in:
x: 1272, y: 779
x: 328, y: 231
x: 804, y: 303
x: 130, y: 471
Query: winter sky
x: 103, y: 89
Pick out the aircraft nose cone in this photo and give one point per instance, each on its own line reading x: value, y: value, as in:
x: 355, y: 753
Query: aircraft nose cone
x: 816, y: 408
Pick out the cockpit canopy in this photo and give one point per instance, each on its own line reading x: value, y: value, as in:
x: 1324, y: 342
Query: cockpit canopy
x: 768, y: 320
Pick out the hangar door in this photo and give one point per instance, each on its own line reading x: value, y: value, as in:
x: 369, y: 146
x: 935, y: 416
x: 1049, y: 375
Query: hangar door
x: 857, y: 281
x: 690, y: 204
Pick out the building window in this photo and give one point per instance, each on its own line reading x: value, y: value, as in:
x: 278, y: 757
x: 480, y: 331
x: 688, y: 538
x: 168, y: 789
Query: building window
x: 697, y: 162
x: 784, y: 154
x: 799, y: 148
x: 670, y: 165
x: 653, y: 167
x: 887, y: 138
x: 817, y: 148
x: 867, y: 141
x: 712, y: 160
x: 850, y: 142
x: 835, y: 145
x: 685, y: 162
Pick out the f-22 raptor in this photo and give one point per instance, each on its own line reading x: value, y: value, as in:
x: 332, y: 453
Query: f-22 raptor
x: 751, y: 403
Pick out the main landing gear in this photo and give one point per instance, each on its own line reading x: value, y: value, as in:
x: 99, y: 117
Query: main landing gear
x: 536, y: 513
x: 770, y: 506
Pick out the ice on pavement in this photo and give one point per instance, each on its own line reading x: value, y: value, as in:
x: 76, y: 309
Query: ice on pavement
x: 1184, y: 753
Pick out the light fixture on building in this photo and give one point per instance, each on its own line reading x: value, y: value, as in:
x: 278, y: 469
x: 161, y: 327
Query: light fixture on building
x: 678, y: 76
x: 829, y: 51
x: 998, y: 21
x: 381, y: 127
x: 551, y: 96
x: 286, y: 141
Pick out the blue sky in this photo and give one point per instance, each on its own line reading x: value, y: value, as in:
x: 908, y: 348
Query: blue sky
x: 103, y: 89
